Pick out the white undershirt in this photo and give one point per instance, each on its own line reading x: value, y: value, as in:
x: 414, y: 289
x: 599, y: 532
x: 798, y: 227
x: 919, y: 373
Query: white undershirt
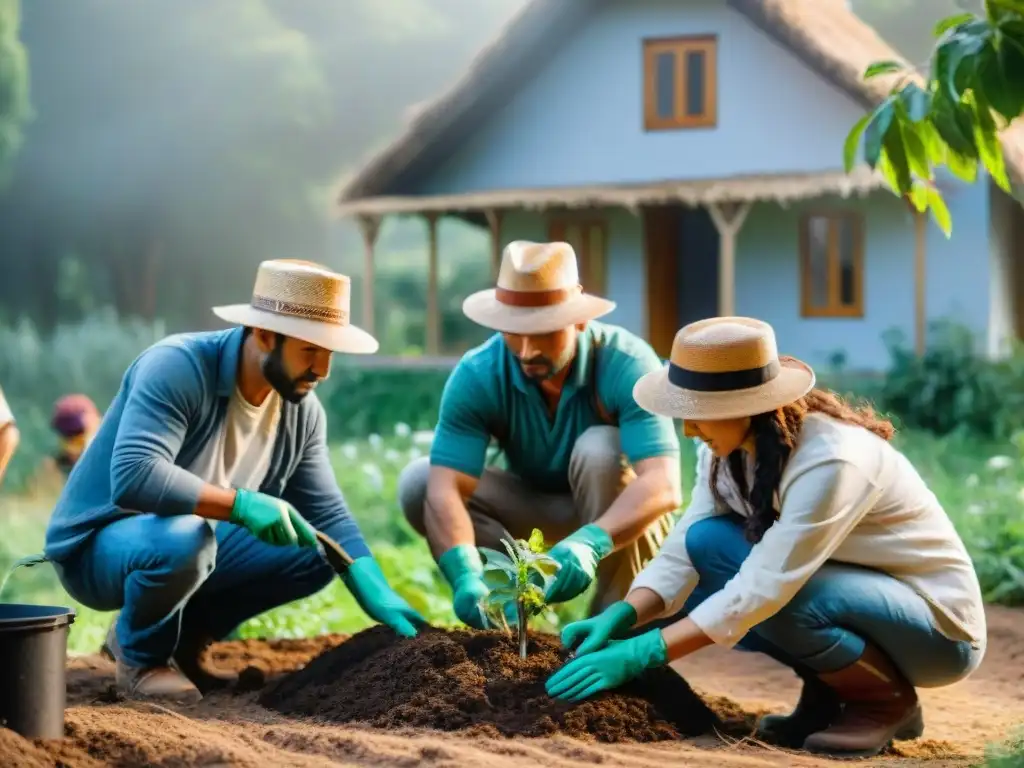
x: 239, y: 456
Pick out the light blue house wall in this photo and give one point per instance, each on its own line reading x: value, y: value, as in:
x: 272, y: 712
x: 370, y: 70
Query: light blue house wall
x: 579, y: 121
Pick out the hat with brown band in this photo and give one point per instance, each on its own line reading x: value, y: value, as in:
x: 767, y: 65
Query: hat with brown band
x: 538, y: 291
x: 723, y: 368
x: 303, y: 300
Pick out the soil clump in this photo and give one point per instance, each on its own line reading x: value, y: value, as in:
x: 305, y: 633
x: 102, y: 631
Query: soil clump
x: 457, y: 680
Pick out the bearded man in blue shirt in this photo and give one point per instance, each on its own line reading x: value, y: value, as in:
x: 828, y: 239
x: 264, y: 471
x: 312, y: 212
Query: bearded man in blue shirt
x: 196, y: 505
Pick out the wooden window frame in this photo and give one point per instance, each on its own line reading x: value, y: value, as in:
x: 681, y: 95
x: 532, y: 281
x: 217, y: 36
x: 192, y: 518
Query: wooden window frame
x: 558, y: 225
x: 680, y: 46
x: 833, y: 308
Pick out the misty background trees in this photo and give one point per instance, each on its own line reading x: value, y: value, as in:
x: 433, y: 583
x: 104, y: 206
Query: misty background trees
x: 152, y: 152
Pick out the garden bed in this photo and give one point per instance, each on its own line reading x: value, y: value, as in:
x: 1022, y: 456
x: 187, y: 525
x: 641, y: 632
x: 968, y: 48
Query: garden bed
x: 353, y: 702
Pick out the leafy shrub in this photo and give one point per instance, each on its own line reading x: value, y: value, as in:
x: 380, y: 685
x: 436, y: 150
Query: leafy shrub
x: 952, y: 387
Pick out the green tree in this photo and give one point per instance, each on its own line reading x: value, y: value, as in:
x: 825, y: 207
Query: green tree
x: 15, y: 108
x: 953, y: 114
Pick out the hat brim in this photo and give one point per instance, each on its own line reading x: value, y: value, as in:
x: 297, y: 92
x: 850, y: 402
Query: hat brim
x: 347, y: 339
x: 656, y: 394
x: 483, y: 308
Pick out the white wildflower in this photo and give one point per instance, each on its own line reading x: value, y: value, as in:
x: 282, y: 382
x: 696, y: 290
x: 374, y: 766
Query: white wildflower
x: 997, y: 463
x: 402, y: 429
x: 374, y: 475
x: 971, y: 481
x: 376, y: 441
x: 975, y: 509
x: 423, y: 437
x: 349, y: 451
x: 392, y: 455
x: 414, y: 453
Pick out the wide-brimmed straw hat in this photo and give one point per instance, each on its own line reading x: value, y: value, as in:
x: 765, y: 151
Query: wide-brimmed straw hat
x: 538, y: 291
x: 303, y: 300
x: 723, y: 368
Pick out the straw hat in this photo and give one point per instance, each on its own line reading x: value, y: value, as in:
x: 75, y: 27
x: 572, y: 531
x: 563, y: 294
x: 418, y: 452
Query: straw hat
x: 723, y: 368
x: 538, y: 291
x: 305, y: 301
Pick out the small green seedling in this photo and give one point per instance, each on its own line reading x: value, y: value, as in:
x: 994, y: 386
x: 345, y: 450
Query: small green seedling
x: 518, y: 579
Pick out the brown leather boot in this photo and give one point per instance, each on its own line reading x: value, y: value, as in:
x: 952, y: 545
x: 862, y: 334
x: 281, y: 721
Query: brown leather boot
x: 879, y: 705
x: 817, y: 709
x: 155, y: 683
x: 148, y: 682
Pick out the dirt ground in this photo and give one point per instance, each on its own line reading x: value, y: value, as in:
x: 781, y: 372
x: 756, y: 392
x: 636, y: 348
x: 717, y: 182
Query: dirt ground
x: 232, y: 729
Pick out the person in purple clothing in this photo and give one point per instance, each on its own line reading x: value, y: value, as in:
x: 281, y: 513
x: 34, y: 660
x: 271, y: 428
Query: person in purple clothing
x: 195, y: 506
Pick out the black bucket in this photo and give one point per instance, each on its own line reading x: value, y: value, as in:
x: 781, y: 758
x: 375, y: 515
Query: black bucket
x: 33, y: 652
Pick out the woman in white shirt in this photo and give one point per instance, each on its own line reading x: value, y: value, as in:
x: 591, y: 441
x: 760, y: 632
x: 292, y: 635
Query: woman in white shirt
x: 808, y: 537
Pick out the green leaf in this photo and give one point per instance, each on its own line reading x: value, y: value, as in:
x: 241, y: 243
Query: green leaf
x: 919, y: 196
x: 874, y: 133
x: 990, y: 149
x: 882, y: 67
x: 896, y: 167
x: 495, y: 558
x: 1011, y: 74
x: 916, y: 101
x: 940, y: 213
x: 948, y: 119
x: 547, y: 566
x: 916, y: 152
x: 536, y: 542
x: 952, y: 54
x: 952, y: 21
x: 501, y: 596
x: 853, y: 142
x: 498, y: 579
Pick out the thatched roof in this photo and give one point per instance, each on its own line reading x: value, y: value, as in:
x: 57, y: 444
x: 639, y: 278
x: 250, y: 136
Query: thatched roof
x: 781, y: 188
x: 824, y: 34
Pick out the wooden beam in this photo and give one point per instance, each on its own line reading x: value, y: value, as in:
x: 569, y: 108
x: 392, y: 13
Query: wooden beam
x: 433, y: 307
x: 494, y: 217
x: 370, y: 227
x: 728, y: 219
x: 920, y: 274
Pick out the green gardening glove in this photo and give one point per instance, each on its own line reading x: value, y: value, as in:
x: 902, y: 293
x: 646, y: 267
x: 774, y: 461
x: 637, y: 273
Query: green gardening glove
x: 612, y: 623
x: 608, y: 668
x: 464, y: 570
x: 371, y: 590
x: 578, y: 555
x: 271, y: 520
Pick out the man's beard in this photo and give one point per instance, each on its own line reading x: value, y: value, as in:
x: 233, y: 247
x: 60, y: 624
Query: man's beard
x: 545, y: 366
x: 275, y: 374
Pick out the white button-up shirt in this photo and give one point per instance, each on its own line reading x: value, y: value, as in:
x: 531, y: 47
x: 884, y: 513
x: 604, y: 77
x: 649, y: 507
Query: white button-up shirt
x: 845, y: 495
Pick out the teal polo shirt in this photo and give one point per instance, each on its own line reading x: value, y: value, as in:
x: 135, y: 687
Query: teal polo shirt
x: 487, y: 395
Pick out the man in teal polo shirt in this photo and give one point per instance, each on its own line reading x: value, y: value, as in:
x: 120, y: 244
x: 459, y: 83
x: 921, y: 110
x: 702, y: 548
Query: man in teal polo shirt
x: 586, y: 465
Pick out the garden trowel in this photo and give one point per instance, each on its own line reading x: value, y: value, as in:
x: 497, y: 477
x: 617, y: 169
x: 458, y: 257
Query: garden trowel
x: 332, y: 552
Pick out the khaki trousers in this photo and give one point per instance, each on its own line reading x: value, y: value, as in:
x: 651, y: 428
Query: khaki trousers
x: 504, y: 506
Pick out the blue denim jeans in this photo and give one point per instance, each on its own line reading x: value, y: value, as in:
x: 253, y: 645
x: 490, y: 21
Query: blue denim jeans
x: 179, y: 576
x: 825, y: 626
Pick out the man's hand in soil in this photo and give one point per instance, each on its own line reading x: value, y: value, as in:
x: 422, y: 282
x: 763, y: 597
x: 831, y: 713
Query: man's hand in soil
x: 463, y: 568
x: 271, y: 520
x: 595, y: 632
x: 578, y: 555
x: 371, y: 590
x: 608, y: 668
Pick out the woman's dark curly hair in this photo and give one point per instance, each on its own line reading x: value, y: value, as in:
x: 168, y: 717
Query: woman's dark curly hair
x: 775, y: 435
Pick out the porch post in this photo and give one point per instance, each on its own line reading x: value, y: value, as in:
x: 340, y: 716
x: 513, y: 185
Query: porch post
x: 728, y: 218
x: 920, y: 253
x: 370, y: 227
x: 433, y: 312
x: 494, y: 222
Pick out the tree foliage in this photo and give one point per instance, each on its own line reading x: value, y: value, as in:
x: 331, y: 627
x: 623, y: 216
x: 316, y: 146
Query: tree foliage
x: 15, y: 109
x: 952, y: 117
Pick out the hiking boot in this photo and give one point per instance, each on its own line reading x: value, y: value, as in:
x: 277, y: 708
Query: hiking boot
x: 187, y: 660
x: 879, y: 705
x: 148, y: 682
x: 155, y: 683
x: 816, y: 710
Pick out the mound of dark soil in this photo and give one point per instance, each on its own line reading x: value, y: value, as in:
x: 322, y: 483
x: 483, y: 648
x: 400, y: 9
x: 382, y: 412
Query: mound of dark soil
x: 475, y: 681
